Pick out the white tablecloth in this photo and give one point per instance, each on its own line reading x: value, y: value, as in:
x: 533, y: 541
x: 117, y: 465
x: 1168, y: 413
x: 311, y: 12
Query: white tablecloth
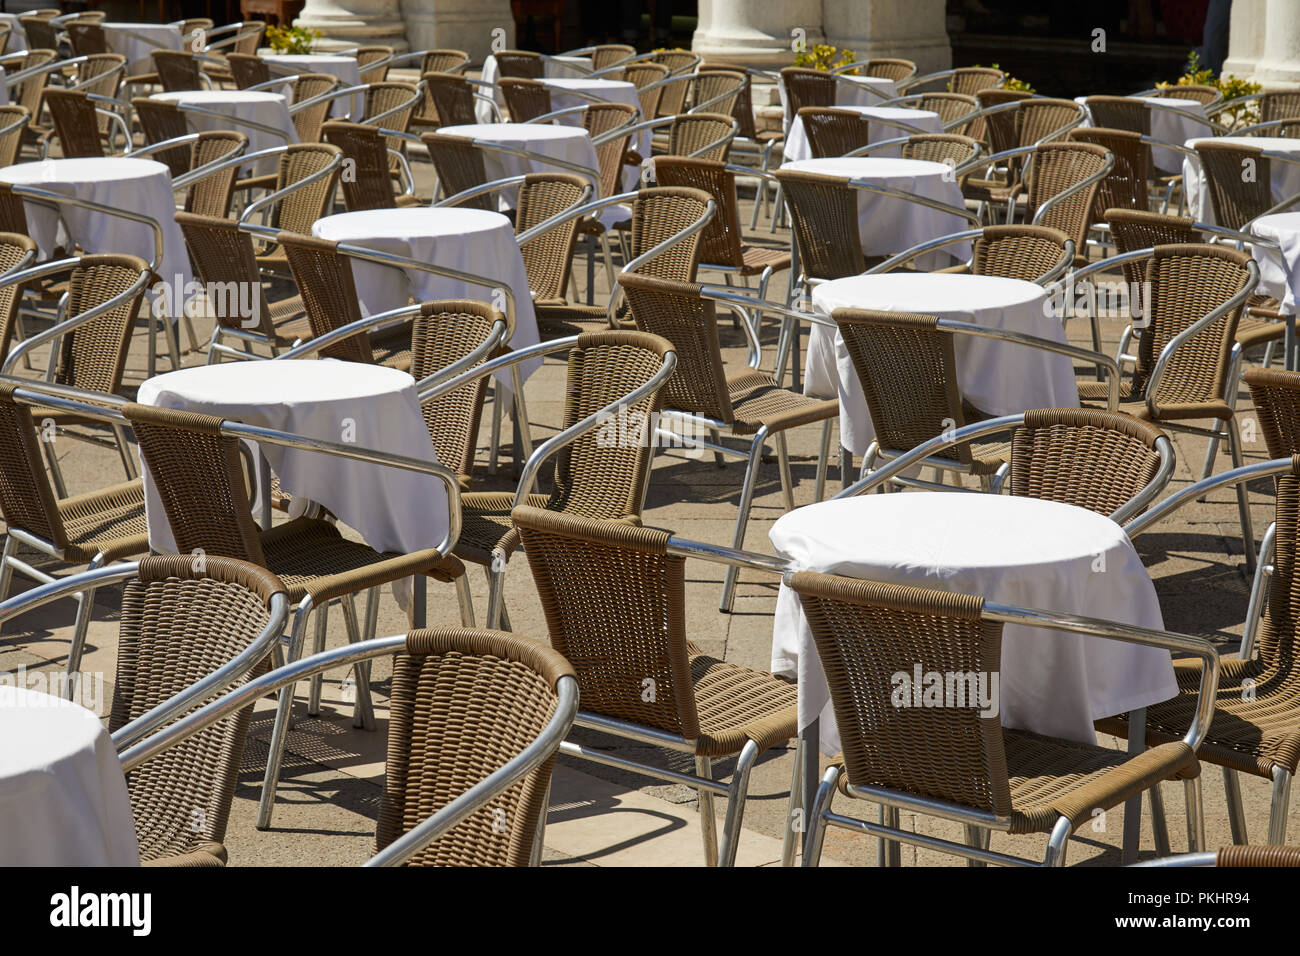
x: 849, y: 91
x: 612, y: 91
x: 269, y: 109
x: 1279, y: 269
x: 924, y: 121
x: 553, y: 66
x: 1172, y: 121
x: 137, y: 41
x: 17, y: 36
x: 138, y: 185
x: 887, y: 225
x: 997, y: 377
x: 566, y: 143
x: 471, y: 240
x: 1021, y: 551
x: 63, y: 798
x: 371, y: 406
x: 343, y: 67
x: 1283, y: 177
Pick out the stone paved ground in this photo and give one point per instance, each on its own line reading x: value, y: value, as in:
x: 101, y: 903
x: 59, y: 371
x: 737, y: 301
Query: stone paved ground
x: 329, y: 795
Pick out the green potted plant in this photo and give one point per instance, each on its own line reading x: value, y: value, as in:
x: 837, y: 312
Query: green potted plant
x: 1230, y: 86
x: 825, y: 57
x: 291, y: 40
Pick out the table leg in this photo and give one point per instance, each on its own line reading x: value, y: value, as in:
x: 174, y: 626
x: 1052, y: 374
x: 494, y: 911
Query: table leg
x: 809, y: 738
x: 846, y: 467
x: 1290, y: 358
x: 418, y: 596
x: 1137, y: 742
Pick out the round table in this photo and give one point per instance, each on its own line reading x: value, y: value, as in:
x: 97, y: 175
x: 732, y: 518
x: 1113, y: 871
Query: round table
x: 568, y: 143
x: 137, y: 41
x: 1176, y: 122
x: 63, y: 797
x: 797, y: 146
x: 139, y: 185
x: 849, y: 91
x: 887, y: 225
x: 997, y: 377
x: 372, y: 406
x: 334, y: 64
x: 1279, y: 269
x: 1284, y: 178
x: 263, y: 107
x: 575, y: 66
x: 1021, y: 551
x: 471, y: 240
x: 611, y: 91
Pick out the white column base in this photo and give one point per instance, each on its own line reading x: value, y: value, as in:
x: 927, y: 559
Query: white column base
x: 350, y: 23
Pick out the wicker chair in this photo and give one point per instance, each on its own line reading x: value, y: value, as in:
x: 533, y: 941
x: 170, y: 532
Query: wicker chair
x: 520, y: 64
x: 41, y: 33
x: 548, y: 258
x: 13, y: 123
x: 958, y: 760
x: 701, y: 136
x: 607, y: 55
x: 970, y: 80
x: 1125, y: 186
x: 644, y: 76
x: 459, y: 166
x: 308, y: 120
x: 370, y: 65
x: 824, y: 221
x: 300, y: 208
x: 718, y: 91
x: 1120, y: 112
x: 177, y: 70
x: 749, y: 404
x: 1206, y: 95
x: 76, y: 125
x: 200, y: 480
x: 248, y: 70
x: 1035, y: 120
x: 30, y: 93
x: 370, y: 186
x: 1276, y: 395
x: 807, y: 88
x: 626, y: 626
x: 950, y: 148
x: 1017, y: 252
x: 1236, y: 199
x: 834, y: 132
x: 950, y: 107
x: 890, y: 69
x: 436, y: 61
x: 161, y: 121
x: 453, y: 98
x: 611, y: 155
x: 525, y: 99
x: 680, y: 63
x: 1057, y: 168
x: 86, y: 37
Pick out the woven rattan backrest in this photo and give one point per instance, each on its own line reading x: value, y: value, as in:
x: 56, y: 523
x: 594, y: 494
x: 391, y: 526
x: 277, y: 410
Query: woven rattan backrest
x: 610, y: 54
x: 395, y: 102
x: 522, y: 64
x: 908, y: 371
x: 464, y: 703
x: 890, y: 68
x: 1125, y: 186
x: 41, y: 34
x: 93, y: 355
x: 27, y: 500
x: 676, y: 311
x: 867, y: 635
x: 600, y: 118
x: 211, y: 194
x: 997, y: 130
x: 200, y: 481
x: 969, y: 80
x: 1201, y: 93
x: 642, y: 76
x: 297, y: 211
x: 444, y: 332
x: 720, y: 242
x: 594, y: 476
x: 307, y: 122
x: 14, y: 247
x: 1134, y: 229
x: 1084, y: 457
x: 833, y: 132
x: 368, y: 59
x: 368, y: 186
x: 329, y: 295
x: 948, y: 148
x: 1237, y: 179
x: 1276, y: 644
x: 949, y: 106
x: 1279, y: 105
x: 74, y: 123
x: 807, y: 88
x: 459, y: 165
x: 248, y: 70
x: 6, y: 31
x: 1276, y: 394
x: 177, y: 70
x: 679, y: 63
x: 1040, y: 117
x: 249, y: 37
x: 525, y: 99
x: 443, y: 61
x: 658, y: 214
x: 453, y: 98
x: 160, y: 122
x: 101, y: 74
x: 622, y: 627
x: 178, y: 625
x: 1018, y: 252
x: 548, y: 257
x: 692, y: 132
x: 12, y: 141
x: 13, y: 214
x: 1120, y: 112
x: 224, y: 259
x: 1187, y: 283
x: 824, y: 219
x: 30, y: 92
x: 1269, y: 856
x: 1056, y: 168
x: 677, y: 60
x: 727, y: 84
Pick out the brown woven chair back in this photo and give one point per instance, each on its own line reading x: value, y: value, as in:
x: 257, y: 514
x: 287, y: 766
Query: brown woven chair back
x: 160, y: 122
x: 1040, y: 117
x: 75, y: 123
x: 459, y: 165
x: 659, y: 214
x: 866, y: 633
x: 525, y: 99
x: 248, y: 70
x: 600, y: 118
x: 720, y: 242
x: 41, y: 33
x: 1270, y: 856
x: 329, y: 295
x: 521, y: 64
x: 444, y: 332
x: 27, y: 499
x: 1192, y: 91
x: 13, y: 214
x: 1235, y: 197
x: 621, y: 628
x: 1125, y: 186
x: 93, y: 355
x: 86, y: 38
x: 30, y: 92
x: 969, y: 80
x: 1279, y: 105
x: 548, y: 258
x: 708, y: 134
x: 743, y: 110
x: 178, y: 625
x: 302, y: 207
x: 824, y: 219
x: 14, y: 120
x: 1056, y: 168
x: 177, y: 70
x: 391, y: 98
x: 453, y: 98
x: 833, y: 132
x: 908, y: 370
x: 369, y: 186
x: 940, y: 148
x: 223, y: 258
x: 949, y: 106
x: 249, y: 38
x: 998, y: 130
x: 368, y: 58
x: 1120, y: 112
x: 890, y: 68
x: 210, y: 195
x: 1084, y: 457
x: 676, y: 311
x: 807, y: 88
x: 464, y: 703
x: 444, y: 61
x: 1134, y: 229
x: 1276, y: 394
x: 101, y: 74
x: 672, y: 98
x: 610, y: 54
x: 200, y: 481
x: 676, y: 60
x: 1018, y: 252
x: 1275, y: 646
x: 307, y: 122
x: 642, y: 75
x: 727, y: 84
x: 14, y: 247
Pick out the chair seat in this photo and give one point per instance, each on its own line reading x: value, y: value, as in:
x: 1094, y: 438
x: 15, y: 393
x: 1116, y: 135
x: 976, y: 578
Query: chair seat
x: 989, y: 190
x: 986, y: 457
x: 757, y: 258
x: 757, y: 401
x: 558, y: 317
x: 1256, y: 723
x: 289, y: 320
x: 393, y: 348
x: 735, y: 704
x: 203, y: 855
x: 1093, y: 395
x: 110, y: 521
x: 311, y: 557
x: 485, y: 522
x: 1257, y: 328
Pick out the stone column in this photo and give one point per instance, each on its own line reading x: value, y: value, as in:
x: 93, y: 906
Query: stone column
x: 756, y: 33
x: 459, y: 24
x: 910, y: 29
x: 348, y: 23
x: 1279, y: 67
x: 1245, y: 37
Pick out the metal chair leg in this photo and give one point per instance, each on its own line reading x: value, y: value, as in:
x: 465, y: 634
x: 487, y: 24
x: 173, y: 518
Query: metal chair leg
x: 1195, y: 816
x: 494, y: 439
x: 466, y: 601
x: 796, y: 812
x: 128, y: 462
x: 739, y: 791
x: 280, y: 730
x: 496, y: 584
x: 742, y: 516
x: 889, y: 852
x: 1243, y: 498
x: 812, y: 853
x: 318, y: 645
x: 1159, y: 825
x: 846, y: 467
x: 708, y: 822
x: 1057, y: 843
x: 1236, y: 812
x: 6, y: 569
x: 56, y: 471
x: 1280, y: 804
x: 363, y: 710
x: 823, y: 461
x: 85, y: 610
x: 783, y: 463
x: 978, y: 838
